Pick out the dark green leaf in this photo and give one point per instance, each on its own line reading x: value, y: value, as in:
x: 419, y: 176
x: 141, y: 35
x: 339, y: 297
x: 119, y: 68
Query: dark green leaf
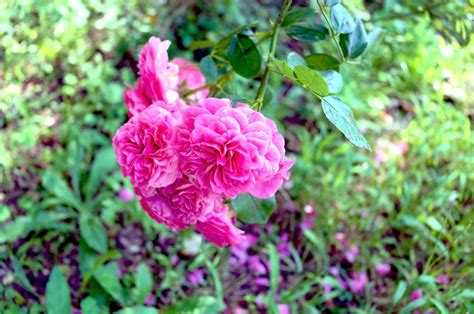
x: 334, y: 81
x: 253, y: 210
x: 355, y: 43
x: 58, y: 296
x: 54, y: 184
x: 274, y: 268
x: 322, y: 62
x: 138, y: 310
x: 224, y: 42
x: 341, y: 116
x: 208, y: 68
x: 295, y: 59
x: 341, y: 19
x: 195, y: 305
x: 309, y: 33
x: 200, y: 44
x: 104, y: 162
x: 93, y: 232
x: 284, y: 69
x: 311, y: 80
x: 143, y: 283
x: 244, y: 56
x: 414, y: 305
x: 297, y: 15
x: 107, y: 277
x: 89, y: 305
x: 399, y: 292
x: 20, y: 275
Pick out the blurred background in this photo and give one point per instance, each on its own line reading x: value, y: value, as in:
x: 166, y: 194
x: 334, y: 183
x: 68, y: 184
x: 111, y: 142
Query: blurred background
x: 389, y: 230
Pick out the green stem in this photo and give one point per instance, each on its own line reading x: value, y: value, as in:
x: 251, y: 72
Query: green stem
x: 271, y: 54
x: 331, y: 30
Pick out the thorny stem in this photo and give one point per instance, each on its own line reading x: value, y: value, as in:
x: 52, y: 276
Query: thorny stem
x: 331, y: 30
x: 275, y: 30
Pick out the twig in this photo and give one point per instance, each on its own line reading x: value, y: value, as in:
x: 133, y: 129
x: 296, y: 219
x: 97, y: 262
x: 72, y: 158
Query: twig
x: 271, y: 54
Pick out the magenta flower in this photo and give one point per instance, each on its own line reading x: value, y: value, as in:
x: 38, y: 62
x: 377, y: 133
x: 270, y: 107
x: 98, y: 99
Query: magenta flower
x: 443, y: 279
x: 232, y: 150
x: 284, y: 308
x: 358, y: 282
x: 351, y: 253
x: 126, y: 195
x: 220, y: 229
x: 417, y: 294
x: 282, y: 246
x: 382, y: 269
x: 144, y: 149
x: 190, y: 77
x: 181, y: 204
x: 389, y: 150
x: 158, y: 78
x: 256, y: 265
x: 195, y: 277
x: 341, y: 238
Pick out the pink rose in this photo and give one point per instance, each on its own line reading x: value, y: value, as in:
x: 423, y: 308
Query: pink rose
x: 144, y: 150
x: 181, y: 204
x: 158, y: 78
x: 220, y: 229
x: 190, y: 77
x: 232, y: 150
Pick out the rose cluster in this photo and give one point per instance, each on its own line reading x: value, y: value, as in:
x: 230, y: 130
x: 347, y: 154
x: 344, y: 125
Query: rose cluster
x: 186, y: 157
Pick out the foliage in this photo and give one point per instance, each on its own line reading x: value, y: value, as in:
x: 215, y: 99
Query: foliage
x: 65, y: 235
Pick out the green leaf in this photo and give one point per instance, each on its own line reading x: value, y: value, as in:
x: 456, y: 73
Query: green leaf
x: 311, y: 80
x: 253, y: 210
x: 466, y: 294
x: 143, y: 283
x: 322, y: 62
x: 341, y: 116
x: 103, y: 163
x: 440, y: 306
x: 58, y: 296
x: 308, y: 33
x: 15, y: 229
x: 334, y: 81
x: 244, y: 56
x: 295, y: 59
x: 138, y: 310
x: 297, y: 15
x: 93, y: 232
x: 309, y: 309
x: 195, y: 305
x: 224, y: 42
x: 208, y: 68
x: 4, y: 213
x: 89, y: 305
x: 434, y: 224
x: 330, y: 3
x: 107, y: 277
x: 200, y: 44
x: 399, y: 292
x: 274, y: 269
x: 20, y: 275
x: 341, y: 19
x: 55, y: 185
x: 217, y: 281
x: 414, y: 305
x: 355, y: 43
x: 285, y: 69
